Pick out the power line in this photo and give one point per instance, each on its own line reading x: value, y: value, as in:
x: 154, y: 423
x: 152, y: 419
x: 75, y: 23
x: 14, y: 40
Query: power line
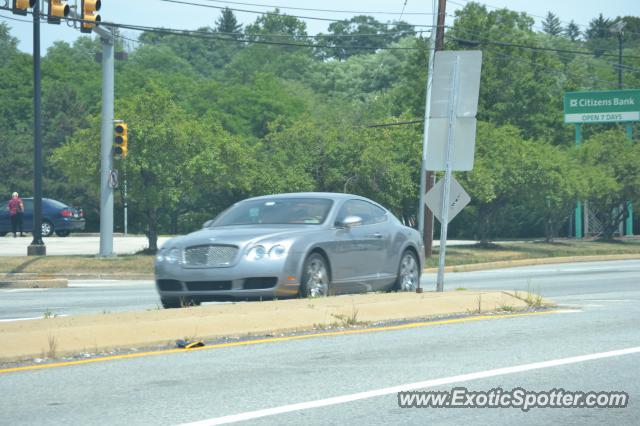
x: 563, y: 53
x: 319, y: 10
x: 267, y: 13
x: 403, y: 8
x: 524, y: 46
x: 12, y: 18
x: 399, y: 123
x: 248, y: 39
x: 546, y: 68
x: 528, y: 13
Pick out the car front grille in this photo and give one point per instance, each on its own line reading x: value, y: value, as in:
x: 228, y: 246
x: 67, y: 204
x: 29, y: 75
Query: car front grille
x: 210, y: 255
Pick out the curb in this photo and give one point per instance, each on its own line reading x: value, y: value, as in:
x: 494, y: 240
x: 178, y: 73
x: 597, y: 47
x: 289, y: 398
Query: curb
x: 34, y: 283
x: 532, y: 262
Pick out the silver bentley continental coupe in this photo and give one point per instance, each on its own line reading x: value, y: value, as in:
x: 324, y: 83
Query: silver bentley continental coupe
x: 288, y: 245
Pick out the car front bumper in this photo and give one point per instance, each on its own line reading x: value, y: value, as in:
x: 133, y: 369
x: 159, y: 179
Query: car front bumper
x: 245, y: 280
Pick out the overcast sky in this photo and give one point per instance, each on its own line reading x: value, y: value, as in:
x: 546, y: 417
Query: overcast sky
x: 181, y: 16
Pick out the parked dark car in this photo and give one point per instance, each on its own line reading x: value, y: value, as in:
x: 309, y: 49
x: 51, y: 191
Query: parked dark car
x: 56, y: 217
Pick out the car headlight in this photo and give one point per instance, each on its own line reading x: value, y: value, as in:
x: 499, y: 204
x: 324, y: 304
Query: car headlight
x: 173, y: 256
x: 256, y: 252
x: 160, y: 256
x: 278, y: 251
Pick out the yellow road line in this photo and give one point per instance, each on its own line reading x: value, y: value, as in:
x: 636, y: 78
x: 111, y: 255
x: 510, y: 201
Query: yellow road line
x: 275, y: 339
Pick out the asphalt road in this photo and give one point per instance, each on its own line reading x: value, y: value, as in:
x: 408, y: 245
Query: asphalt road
x: 362, y: 373
x: 558, y: 282
x: 81, y: 297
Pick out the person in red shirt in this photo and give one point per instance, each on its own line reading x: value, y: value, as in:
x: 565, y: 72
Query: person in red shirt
x: 16, y: 208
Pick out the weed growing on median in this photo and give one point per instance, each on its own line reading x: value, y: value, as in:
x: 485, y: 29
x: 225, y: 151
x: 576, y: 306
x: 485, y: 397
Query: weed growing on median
x: 48, y: 314
x: 53, y: 346
x: 505, y: 308
x: 533, y: 298
x: 348, y: 320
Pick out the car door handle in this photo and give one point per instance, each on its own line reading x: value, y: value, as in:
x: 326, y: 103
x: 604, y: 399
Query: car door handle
x: 377, y: 235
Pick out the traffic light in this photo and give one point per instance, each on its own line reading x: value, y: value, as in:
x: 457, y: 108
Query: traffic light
x: 120, y: 141
x: 57, y: 9
x: 90, y: 16
x: 19, y: 7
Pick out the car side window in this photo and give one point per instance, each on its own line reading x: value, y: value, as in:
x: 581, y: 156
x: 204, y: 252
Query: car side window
x: 369, y: 213
x: 28, y: 205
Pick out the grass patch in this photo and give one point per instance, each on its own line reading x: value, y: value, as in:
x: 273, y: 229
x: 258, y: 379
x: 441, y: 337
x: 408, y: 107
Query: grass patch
x: 456, y: 255
x: 465, y: 255
x: 89, y: 265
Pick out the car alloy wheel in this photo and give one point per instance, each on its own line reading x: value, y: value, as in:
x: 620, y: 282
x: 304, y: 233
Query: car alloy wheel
x: 315, y: 278
x: 47, y: 228
x: 408, y: 274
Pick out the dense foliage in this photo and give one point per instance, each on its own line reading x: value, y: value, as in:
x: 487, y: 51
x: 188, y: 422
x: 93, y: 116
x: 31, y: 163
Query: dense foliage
x: 246, y: 111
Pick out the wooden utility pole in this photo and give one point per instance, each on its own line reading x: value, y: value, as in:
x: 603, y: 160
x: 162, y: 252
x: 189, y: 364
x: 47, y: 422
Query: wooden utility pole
x: 430, y: 176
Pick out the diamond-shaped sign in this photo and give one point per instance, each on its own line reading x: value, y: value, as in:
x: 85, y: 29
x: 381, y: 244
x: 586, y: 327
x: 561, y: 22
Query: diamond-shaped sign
x: 458, y: 199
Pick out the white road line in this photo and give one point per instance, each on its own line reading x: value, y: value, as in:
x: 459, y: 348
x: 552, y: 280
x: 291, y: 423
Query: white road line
x: 30, y: 319
x: 22, y: 290
x: 249, y: 415
x: 110, y: 283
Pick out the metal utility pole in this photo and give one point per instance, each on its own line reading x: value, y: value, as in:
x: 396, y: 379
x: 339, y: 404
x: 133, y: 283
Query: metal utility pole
x: 37, y: 247
x: 619, y: 27
x: 106, y: 139
x: 427, y: 178
x: 453, y: 107
x: 106, y: 135
x: 627, y: 228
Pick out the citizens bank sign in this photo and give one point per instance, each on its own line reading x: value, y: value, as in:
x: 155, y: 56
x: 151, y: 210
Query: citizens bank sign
x: 602, y: 107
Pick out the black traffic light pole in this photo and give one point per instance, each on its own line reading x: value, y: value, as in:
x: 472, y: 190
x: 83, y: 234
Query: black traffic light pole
x: 37, y: 247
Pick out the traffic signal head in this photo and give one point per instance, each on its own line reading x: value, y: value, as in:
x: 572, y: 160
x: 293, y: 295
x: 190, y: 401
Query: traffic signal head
x: 19, y: 7
x: 90, y: 16
x: 120, y: 141
x: 57, y: 9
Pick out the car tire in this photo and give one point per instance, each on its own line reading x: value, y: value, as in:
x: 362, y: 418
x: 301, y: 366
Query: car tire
x: 169, y: 302
x: 63, y: 233
x: 316, y: 276
x: 47, y: 228
x: 408, y: 272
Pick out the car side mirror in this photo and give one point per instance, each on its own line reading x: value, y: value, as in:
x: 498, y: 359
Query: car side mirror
x: 351, y: 221
x: 207, y: 223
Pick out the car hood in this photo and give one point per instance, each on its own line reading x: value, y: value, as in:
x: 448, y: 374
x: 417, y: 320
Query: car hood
x: 239, y: 235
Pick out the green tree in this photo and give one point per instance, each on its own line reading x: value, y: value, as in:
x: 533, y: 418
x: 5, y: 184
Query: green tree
x: 551, y: 25
x: 572, y: 31
x: 166, y: 155
x: 272, y: 24
x: 227, y: 22
x: 518, y: 86
x: 510, y: 171
x: 360, y: 34
x: 599, y: 36
x: 612, y: 176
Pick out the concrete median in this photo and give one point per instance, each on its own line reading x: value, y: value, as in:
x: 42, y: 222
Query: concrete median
x: 55, y: 337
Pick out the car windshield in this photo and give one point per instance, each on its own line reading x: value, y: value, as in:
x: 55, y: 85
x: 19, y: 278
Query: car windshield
x: 276, y: 211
